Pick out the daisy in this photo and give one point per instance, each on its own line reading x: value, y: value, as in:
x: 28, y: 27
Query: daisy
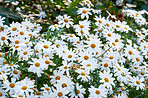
x: 94, y: 45
x: 107, y: 79
x: 65, y: 67
x: 65, y: 83
x: 46, y: 88
x: 54, y: 27
x: 118, y: 25
x: 80, y: 91
x: 83, y: 74
x: 59, y: 17
x: 60, y: 93
x: 10, y: 86
x: 82, y: 28
x: 3, y: 38
x: 96, y: 11
x: 84, y: 56
x: 136, y: 81
x: 66, y: 21
x: 37, y: 66
x: 30, y: 17
x: 84, y: 12
x: 36, y: 27
x: 25, y: 54
x: 15, y: 73
x: 13, y: 29
x: 90, y: 65
x: 24, y: 86
x: 97, y: 92
x: 105, y: 64
x: 123, y: 75
x: 42, y: 14
x: 99, y: 20
x: 57, y: 76
x: 69, y: 55
x: 2, y: 93
x: 88, y: 3
x: 130, y: 52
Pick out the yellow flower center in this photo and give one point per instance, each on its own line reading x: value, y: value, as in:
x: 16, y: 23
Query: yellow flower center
x: 78, y: 91
x: 70, y: 56
x: 24, y: 87
x: 135, y: 67
x: 47, y: 61
x: 1, y: 94
x: 38, y: 93
x: 58, y: 45
x: 14, y: 29
x: 10, y: 64
x: 64, y: 85
x: 82, y: 73
x: 93, y: 45
x: 86, y: 57
x: 142, y: 73
x: 88, y: 65
x: 65, y: 67
x: 55, y: 25
x: 0, y: 55
x: 46, y: 46
x: 99, y: 30
x: 106, y: 79
x: 70, y: 35
x: 17, y: 42
x: 84, y: 11
x: 107, y: 24
x: 97, y: 92
x: 60, y: 94
x: 111, y: 57
x: 3, y: 38
x: 20, y: 95
x: 138, y: 82
x: 117, y: 26
x: 116, y: 40
x: 137, y: 59
x: 57, y: 78
x: 105, y: 64
x: 12, y: 85
x: 99, y: 21
x: 17, y: 46
x: 81, y: 26
x: 47, y: 89
x: 35, y: 27
x: 130, y: 52
x: 37, y: 64
x: 109, y: 35
x: 78, y: 42
x: 87, y: 2
x: 113, y: 44
x: 15, y: 72
x: 122, y: 89
x: 25, y: 53
x: 66, y: 20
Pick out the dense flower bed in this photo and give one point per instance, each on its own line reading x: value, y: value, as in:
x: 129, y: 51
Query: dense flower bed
x: 93, y: 56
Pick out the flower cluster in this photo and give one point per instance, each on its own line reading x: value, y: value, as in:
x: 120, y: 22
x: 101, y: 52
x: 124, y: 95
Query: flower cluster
x: 93, y: 57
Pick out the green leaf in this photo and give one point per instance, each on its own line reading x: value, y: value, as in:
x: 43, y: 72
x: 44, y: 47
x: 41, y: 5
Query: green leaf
x: 10, y: 14
x: 73, y: 4
x: 75, y: 89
